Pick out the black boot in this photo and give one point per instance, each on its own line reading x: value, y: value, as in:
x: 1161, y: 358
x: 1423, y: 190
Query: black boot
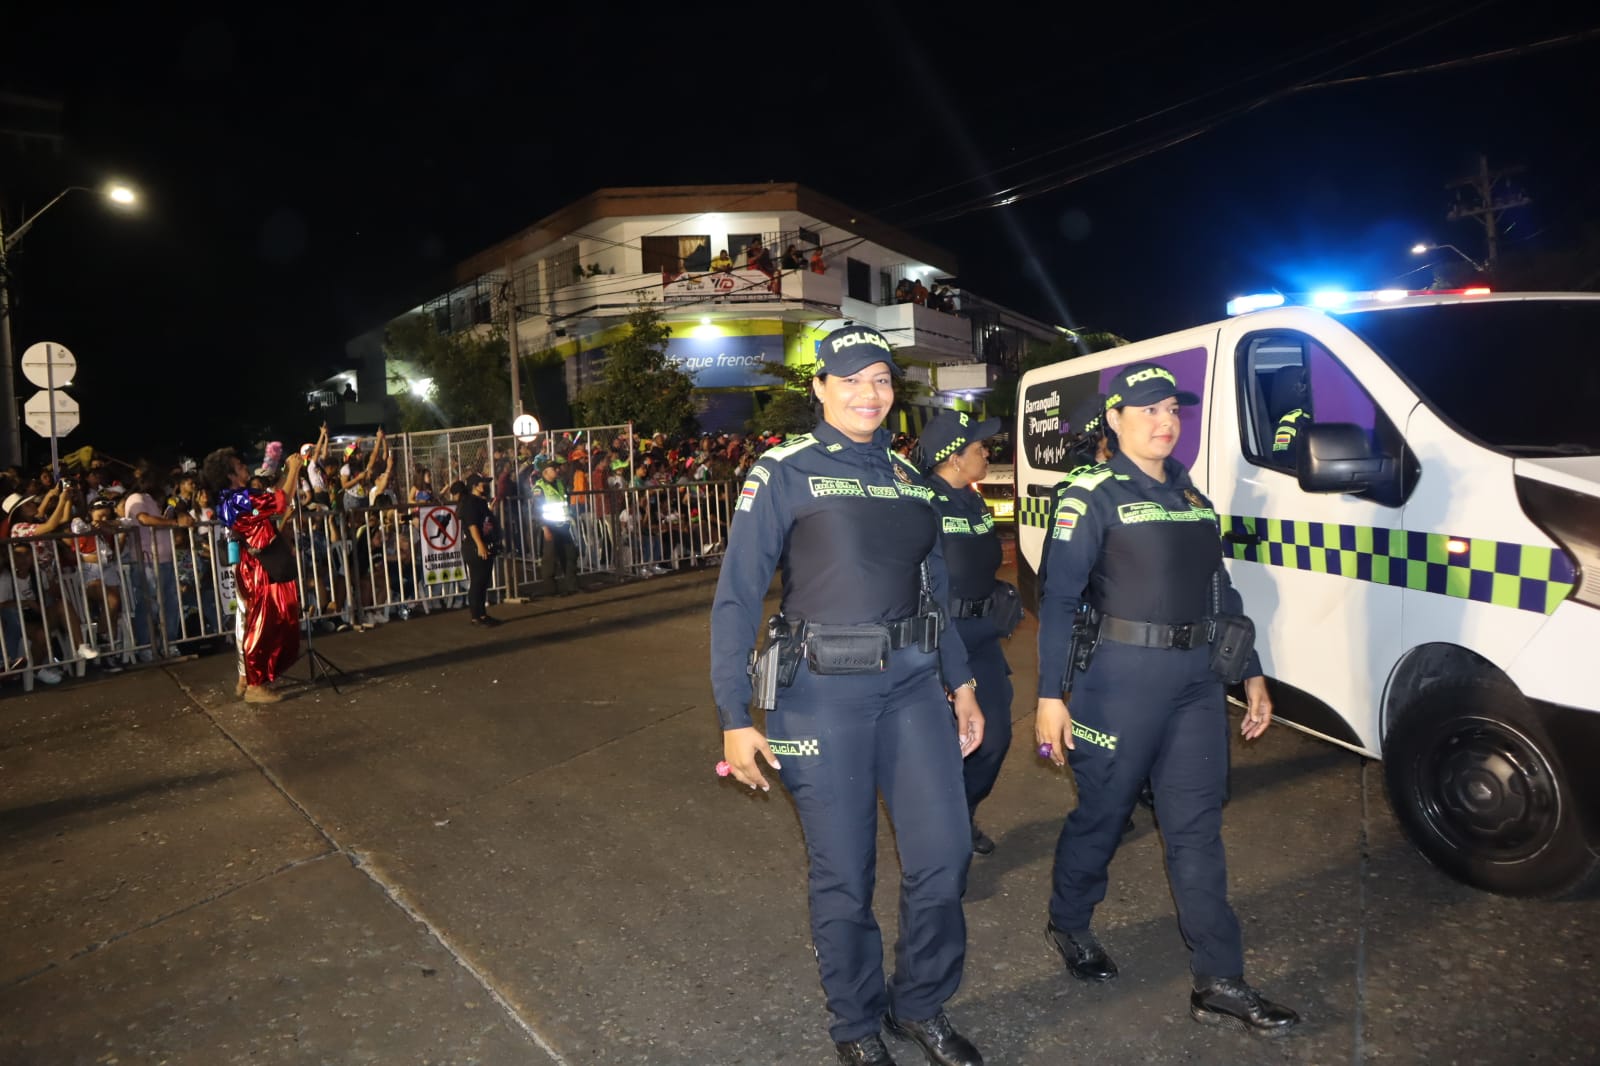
x: 868, y: 1051
x: 1085, y: 958
x: 940, y: 1042
x: 1229, y: 1001
x: 981, y: 842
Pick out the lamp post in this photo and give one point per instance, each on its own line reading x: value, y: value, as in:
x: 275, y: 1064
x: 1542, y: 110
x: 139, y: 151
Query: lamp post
x: 10, y: 439
x: 1422, y: 249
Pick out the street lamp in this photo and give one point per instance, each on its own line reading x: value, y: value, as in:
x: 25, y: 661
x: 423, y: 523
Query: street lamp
x: 10, y: 440
x: 1422, y: 249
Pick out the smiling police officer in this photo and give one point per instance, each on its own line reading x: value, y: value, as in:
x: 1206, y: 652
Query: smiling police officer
x: 1136, y: 539
x: 953, y: 453
x: 871, y: 673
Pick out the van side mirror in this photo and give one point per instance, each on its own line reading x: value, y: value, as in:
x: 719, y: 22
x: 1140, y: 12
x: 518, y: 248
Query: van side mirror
x: 1337, y: 457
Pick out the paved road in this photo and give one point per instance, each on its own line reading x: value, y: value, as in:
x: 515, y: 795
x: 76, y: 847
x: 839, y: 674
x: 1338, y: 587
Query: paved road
x: 507, y: 847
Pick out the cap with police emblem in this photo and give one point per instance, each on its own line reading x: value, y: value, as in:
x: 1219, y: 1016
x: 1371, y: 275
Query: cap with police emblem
x: 851, y: 349
x: 1142, y: 384
x: 1089, y: 417
x: 949, y: 432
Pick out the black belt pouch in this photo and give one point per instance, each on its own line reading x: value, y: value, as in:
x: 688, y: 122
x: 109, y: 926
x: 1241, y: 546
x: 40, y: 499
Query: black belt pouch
x: 1007, y: 609
x: 1232, y: 639
x: 848, y: 650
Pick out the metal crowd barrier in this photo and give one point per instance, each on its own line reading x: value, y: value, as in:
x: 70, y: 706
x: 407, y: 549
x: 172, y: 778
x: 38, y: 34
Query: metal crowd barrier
x: 65, y: 595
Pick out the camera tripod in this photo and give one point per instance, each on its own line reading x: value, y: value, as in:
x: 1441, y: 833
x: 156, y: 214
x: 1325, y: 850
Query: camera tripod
x: 319, y: 666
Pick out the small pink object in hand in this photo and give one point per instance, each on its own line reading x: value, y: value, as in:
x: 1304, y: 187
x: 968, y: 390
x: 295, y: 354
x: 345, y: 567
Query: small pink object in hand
x: 723, y: 769
x: 1046, y: 750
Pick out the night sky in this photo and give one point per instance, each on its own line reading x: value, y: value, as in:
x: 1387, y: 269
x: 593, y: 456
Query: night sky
x: 308, y: 175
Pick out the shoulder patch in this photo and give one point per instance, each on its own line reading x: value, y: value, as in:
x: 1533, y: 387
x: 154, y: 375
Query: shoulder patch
x: 789, y: 447
x: 1090, y: 479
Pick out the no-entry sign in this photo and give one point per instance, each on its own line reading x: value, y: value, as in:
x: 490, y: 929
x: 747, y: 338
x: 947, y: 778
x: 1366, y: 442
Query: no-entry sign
x: 441, y: 546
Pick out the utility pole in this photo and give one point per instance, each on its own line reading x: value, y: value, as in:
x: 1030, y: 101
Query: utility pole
x: 509, y: 298
x: 1487, y: 208
x: 10, y: 432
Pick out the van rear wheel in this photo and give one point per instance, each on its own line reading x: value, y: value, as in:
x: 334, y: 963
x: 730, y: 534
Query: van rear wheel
x: 1479, y: 790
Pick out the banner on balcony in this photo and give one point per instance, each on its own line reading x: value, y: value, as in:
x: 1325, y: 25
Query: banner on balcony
x: 729, y: 287
x: 717, y: 362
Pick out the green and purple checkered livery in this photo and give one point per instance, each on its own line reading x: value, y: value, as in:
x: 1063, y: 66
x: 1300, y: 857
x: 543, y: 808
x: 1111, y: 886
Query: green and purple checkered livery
x: 1525, y: 576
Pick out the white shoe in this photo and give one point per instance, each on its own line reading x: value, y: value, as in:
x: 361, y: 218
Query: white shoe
x: 48, y: 674
x: 146, y: 655
x: 88, y: 651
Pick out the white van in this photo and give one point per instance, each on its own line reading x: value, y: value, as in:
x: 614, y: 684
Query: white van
x: 1422, y: 559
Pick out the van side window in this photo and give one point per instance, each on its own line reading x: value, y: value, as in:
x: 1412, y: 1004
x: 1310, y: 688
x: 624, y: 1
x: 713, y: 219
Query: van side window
x: 1287, y: 381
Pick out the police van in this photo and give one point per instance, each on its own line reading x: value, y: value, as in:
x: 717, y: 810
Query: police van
x: 1408, y: 488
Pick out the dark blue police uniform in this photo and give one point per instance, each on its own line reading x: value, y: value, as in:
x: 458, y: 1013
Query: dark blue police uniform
x: 850, y: 525
x: 1142, y: 551
x: 972, y: 554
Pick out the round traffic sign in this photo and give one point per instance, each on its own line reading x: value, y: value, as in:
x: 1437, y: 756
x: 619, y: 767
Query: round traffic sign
x: 36, y: 412
x: 48, y: 365
x: 525, y: 428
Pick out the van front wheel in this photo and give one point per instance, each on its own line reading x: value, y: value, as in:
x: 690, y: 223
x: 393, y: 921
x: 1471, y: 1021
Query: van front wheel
x: 1480, y: 792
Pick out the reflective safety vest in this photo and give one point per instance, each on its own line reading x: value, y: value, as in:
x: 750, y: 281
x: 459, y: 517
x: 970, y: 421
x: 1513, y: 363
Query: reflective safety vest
x: 552, y: 502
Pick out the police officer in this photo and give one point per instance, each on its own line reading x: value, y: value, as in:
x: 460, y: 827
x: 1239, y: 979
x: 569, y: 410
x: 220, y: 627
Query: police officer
x: 1141, y: 543
x: 1291, y: 394
x: 560, y: 560
x: 868, y: 708
x: 953, y: 454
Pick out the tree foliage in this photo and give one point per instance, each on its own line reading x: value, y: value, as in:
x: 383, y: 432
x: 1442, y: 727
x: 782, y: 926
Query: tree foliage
x: 470, y: 371
x: 791, y: 409
x: 639, y: 383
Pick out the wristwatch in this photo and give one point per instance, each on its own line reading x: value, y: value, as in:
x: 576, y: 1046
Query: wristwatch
x: 971, y: 683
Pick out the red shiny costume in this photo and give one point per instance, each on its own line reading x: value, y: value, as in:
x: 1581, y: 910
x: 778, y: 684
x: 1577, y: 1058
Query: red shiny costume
x: 271, y: 636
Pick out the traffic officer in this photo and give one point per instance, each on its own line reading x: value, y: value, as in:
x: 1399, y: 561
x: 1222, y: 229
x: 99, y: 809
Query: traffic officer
x: 560, y: 561
x: 1136, y: 538
x: 954, y: 456
x: 868, y: 707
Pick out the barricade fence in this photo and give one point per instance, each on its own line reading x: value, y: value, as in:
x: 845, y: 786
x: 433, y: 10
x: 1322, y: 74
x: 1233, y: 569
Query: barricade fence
x: 118, y: 595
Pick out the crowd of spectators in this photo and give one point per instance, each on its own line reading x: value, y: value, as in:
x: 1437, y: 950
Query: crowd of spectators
x: 913, y: 291
x: 114, y: 551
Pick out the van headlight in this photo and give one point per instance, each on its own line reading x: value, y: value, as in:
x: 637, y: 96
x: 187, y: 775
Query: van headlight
x: 1572, y: 520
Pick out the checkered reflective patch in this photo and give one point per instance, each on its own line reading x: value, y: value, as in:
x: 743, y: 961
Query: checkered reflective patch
x: 795, y: 748
x: 1528, y: 577
x: 1035, y: 510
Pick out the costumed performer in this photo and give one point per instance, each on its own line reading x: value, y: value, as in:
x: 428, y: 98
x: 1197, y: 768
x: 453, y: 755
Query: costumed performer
x: 267, y: 626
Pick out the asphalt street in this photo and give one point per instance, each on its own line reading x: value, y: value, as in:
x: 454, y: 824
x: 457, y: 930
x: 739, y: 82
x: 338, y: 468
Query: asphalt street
x: 509, y: 847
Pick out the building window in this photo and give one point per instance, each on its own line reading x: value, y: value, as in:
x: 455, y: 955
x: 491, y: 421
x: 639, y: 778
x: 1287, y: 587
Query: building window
x: 858, y: 280
x: 664, y: 254
x: 562, y: 268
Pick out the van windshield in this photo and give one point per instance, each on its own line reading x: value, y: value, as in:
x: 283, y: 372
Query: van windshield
x: 1520, y: 376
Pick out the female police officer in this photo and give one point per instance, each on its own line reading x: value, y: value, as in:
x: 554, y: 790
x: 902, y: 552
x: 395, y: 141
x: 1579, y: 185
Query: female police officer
x: 866, y: 710
x: 1143, y: 540
x: 954, y: 456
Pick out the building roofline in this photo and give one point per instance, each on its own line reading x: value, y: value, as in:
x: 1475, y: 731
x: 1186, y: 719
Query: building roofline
x: 690, y: 200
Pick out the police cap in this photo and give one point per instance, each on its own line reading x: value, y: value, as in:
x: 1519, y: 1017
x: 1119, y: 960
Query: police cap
x: 851, y: 349
x: 1142, y: 384
x: 1089, y: 417
x: 949, y: 432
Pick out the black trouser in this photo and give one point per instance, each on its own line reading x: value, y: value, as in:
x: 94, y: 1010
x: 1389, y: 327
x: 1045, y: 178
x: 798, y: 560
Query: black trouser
x: 1156, y: 714
x: 560, y: 562
x: 478, y: 572
x: 987, y: 660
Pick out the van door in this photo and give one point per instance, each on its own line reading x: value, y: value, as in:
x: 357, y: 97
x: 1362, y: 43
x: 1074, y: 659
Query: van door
x: 1315, y: 570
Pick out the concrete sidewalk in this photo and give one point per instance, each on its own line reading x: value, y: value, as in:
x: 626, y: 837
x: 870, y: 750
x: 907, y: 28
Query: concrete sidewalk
x: 507, y: 847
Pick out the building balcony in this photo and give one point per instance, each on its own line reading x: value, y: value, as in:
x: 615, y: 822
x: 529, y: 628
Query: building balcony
x: 610, y: 295
x: 918, y: 331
